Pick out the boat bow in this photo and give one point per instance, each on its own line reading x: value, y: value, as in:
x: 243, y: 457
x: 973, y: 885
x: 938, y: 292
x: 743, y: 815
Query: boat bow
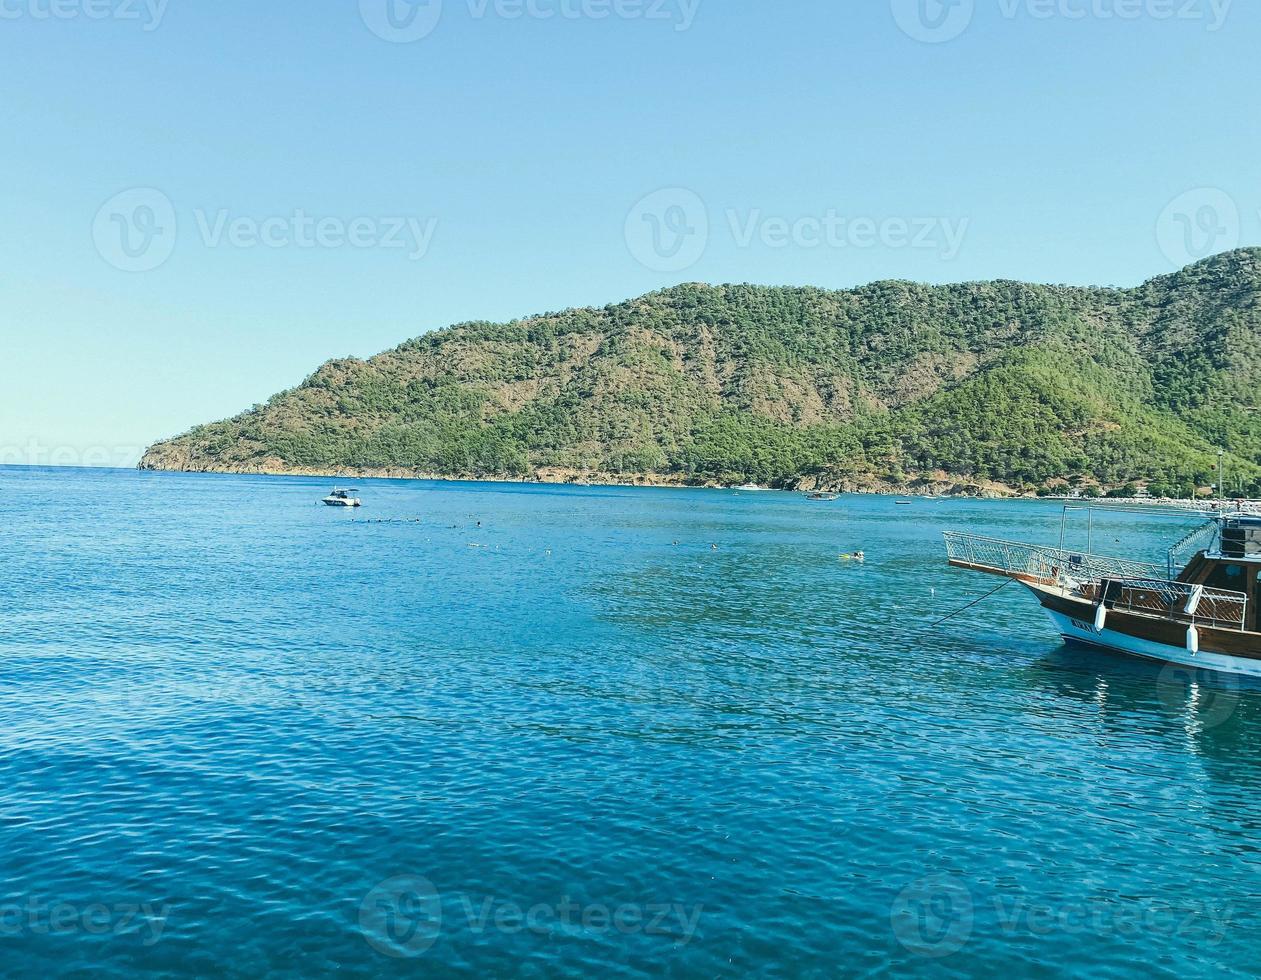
x: 1038, y: 564
x: 1113, y: 583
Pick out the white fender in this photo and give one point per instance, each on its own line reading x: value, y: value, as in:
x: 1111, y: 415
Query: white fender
x: 1101, y: 617
x: 1193, y: 640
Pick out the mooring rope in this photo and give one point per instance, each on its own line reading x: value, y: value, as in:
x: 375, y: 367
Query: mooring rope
x: 963, y: 609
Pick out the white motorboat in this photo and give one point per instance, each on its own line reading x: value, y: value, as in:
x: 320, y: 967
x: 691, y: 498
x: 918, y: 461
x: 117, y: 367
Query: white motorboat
x: 343, y: 498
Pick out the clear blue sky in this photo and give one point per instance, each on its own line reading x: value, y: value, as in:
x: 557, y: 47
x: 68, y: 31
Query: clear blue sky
x: 1047, y: 146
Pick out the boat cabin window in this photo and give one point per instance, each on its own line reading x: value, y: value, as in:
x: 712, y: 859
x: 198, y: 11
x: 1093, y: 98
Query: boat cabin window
x: 1229, y: 576
x: 1240, y: 578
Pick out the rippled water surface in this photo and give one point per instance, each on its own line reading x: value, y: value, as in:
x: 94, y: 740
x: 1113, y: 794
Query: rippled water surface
x: 477, y: 730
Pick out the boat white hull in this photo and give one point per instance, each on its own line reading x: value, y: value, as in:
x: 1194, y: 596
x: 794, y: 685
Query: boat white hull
x: 1083, y: 632
x: 342, y: 503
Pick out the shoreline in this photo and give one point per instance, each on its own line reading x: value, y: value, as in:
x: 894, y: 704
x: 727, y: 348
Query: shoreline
x: 936, y: 485
x: 939, y: 486
x: 876, y: 488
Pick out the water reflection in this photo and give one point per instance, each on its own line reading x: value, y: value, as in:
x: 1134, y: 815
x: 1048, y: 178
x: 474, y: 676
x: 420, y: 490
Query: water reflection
x: 1202, y: 714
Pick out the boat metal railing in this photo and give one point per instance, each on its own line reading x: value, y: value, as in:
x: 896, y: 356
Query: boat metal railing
x: 1180, y: 601
x: 1206, y: 537
x: 1123, y: 584
x: 1042, y: 563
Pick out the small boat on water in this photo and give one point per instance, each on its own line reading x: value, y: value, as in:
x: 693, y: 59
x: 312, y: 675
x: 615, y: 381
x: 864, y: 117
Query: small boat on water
x: 343, y: 498
x: 750, y: 487
x: 1194, y: 610
x: 823, y: 495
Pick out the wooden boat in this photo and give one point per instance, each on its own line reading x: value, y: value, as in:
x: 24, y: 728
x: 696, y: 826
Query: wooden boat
x: 1194, y: 610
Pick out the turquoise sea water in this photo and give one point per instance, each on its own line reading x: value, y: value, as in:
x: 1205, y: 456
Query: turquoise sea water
x: 242, y: 733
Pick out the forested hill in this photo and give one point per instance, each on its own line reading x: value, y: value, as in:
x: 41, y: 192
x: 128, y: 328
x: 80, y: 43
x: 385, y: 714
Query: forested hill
x: 981, y: 383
